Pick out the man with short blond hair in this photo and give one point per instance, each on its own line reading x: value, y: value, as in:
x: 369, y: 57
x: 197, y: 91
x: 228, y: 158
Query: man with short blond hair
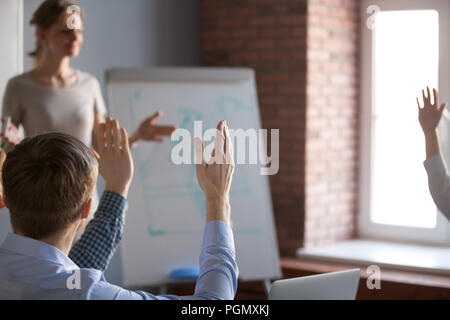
x: 48, y: 183
x: 57, y: 175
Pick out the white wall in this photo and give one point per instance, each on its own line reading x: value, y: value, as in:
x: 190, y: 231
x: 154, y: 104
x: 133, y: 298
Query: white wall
x: 131, y: 33
x: 11, y: 42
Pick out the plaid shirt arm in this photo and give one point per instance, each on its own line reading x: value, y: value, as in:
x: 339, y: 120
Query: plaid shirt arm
x: 102, y: 235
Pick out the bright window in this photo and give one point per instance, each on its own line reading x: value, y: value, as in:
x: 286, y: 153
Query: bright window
x: 405, y: 47
x: 405, y: 60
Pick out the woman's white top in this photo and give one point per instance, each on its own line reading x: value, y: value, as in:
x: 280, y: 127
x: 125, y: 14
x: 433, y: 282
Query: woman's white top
x: 42, y: 109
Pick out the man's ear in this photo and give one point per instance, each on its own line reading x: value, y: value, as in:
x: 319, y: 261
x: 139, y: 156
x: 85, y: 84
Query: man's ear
x: 86, y: 209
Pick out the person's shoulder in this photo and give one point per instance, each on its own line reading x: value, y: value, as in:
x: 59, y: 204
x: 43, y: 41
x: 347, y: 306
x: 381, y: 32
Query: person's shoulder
x: 20, y: 79
x: 88, y: 279
x: 86, y: 77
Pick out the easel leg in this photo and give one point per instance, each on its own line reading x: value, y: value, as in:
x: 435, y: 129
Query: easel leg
x: 267, y: 285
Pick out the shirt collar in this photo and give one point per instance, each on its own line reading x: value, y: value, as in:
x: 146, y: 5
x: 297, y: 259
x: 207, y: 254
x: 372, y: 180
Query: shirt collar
x: 36, y: 249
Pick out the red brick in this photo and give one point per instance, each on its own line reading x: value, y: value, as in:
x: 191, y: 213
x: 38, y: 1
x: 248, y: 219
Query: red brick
x: 261, y: 21
x: 215, y: 13
x: 274, y: 101
x: 296, y: 113
x: 292, y: 20
x: 261, y: 44
x: 275, y: 55
x: 244, y: 55
x: 318, y: 32
x: 273, y: 77
x: 228, y: 45
x: 244, y: 33
x: 266, y: 89
x: 262, y: 2
x: 292, y: 43
x: 245, y: 11
x: 274, y: 32
x: 289, y: 89
x: 214, y: 35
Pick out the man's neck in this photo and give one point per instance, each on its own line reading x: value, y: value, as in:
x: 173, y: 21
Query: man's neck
x: 62, y: 240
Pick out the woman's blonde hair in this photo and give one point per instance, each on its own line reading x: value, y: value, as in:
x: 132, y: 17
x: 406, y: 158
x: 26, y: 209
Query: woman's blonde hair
x: 47, y: 15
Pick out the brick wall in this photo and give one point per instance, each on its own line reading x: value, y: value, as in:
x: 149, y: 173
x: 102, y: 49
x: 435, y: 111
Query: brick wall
x: 309, y: 98
x: 331, y: 118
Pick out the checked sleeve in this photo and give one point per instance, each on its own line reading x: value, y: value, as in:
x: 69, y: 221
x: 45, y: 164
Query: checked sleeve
x: 102, y: 235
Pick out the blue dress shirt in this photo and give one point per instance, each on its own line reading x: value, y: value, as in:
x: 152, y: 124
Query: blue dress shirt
x: 31, y: 269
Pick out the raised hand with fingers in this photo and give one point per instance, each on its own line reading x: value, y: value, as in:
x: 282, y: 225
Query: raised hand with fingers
x: 11, y: 136
x: 149, y: 131
x: 429, y: 117
x: 115, y: 161
x: 431, y: 113
x: 216, y: 175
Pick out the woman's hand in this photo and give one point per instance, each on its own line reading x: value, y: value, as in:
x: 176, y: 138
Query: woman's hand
x: 149, y: 131
x: 431, y: 113
x: 12, y: 135
x: 115, y: 161
x: 215, y: 177
x: 429, y: 117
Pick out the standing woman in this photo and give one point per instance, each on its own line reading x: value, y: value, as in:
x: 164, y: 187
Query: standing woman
x: 54, y: 97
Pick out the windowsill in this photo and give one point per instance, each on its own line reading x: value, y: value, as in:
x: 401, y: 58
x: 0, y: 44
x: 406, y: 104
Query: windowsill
x: 389, y: 255
x: 394, y: 285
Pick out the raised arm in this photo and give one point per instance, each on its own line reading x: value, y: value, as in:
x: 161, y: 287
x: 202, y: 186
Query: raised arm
x: 429, y: 117
x: 438, y: 179
x: 104, y: 232
x: 218, y: 268
x: 102, y: 235
x: 215, y: 177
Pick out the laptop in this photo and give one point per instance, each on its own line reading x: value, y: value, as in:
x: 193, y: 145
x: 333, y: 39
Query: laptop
x: 341, y: 285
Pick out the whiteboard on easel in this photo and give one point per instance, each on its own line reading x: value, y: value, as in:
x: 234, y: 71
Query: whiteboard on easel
x: 167, y: 211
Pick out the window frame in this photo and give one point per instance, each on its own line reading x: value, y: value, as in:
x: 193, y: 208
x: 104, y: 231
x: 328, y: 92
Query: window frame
x: 366, y: 228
